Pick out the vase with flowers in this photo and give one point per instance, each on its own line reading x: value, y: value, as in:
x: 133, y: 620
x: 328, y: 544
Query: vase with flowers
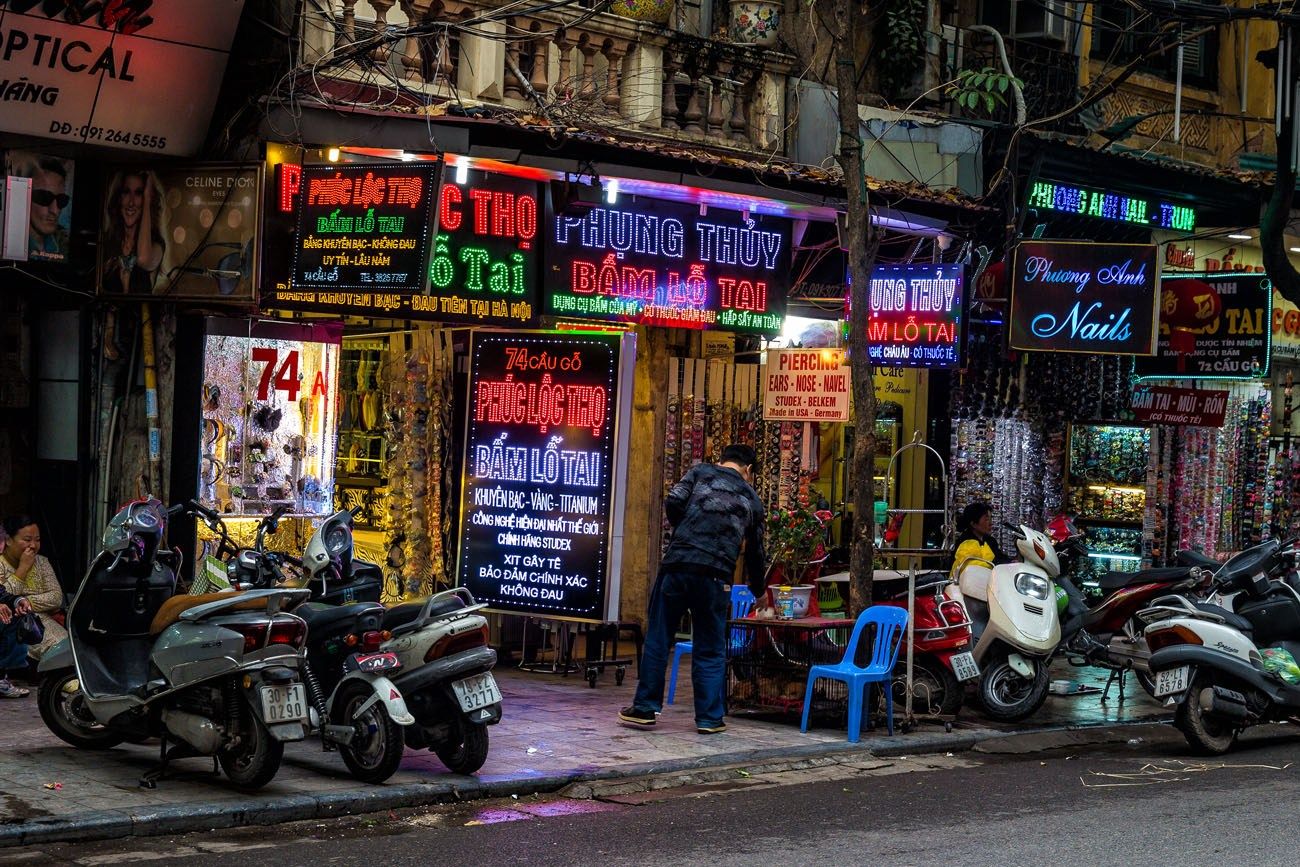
x: 796, y: 539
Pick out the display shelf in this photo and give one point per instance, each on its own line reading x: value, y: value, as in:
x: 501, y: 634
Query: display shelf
x: 1105, y: 493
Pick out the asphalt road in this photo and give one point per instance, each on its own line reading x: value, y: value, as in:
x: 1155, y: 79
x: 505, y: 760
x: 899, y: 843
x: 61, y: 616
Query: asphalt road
x: 1144, y: 802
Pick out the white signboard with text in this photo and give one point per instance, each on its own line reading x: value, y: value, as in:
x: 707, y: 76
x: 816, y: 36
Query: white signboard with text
x: 805, y: 385
x: 132, y: 74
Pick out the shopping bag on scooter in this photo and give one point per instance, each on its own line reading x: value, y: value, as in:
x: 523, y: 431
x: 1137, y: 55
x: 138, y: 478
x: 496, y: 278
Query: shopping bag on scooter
x: 1282, y: 663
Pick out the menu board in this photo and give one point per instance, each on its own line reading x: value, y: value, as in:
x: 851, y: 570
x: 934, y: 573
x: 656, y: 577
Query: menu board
x: 485, y: 251
x: 916, y: 315
x: 269, y: 416
x: 541, y: 513
x: 1234, y: 345
x: 663, y: 263
x: 1071, y: 296
x: 361, y: 240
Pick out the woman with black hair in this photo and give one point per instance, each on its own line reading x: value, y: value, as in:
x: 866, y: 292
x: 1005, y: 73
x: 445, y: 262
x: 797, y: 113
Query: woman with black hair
x: 976, y: 541
x: 25, y: 572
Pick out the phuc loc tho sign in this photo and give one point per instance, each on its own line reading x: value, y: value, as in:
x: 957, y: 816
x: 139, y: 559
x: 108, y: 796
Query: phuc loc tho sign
x: 662, y: 263
x: 541, y: 508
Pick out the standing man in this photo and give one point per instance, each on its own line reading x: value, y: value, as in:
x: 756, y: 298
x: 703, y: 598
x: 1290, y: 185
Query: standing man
x: 713, y: 510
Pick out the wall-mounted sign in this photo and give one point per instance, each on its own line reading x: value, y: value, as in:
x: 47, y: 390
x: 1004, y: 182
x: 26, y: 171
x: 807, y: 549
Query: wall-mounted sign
x: 806, y: 385
x: 49, y: 220
x: 129, y: 74
x: 1233, y: 345
x: 362, y: 238
x: 1179, y: 406
x: 662, y: 263
x: 486, y: 249
x: 1082, y: 297
x: 916, y: 315
x: 181, y: 232
x: 545, y: 447
x: 269, y: 416
x: 1111, y: 205
x: 1286, y: 329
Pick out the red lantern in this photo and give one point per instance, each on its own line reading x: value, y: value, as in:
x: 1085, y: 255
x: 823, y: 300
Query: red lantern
x: 1188, y: 307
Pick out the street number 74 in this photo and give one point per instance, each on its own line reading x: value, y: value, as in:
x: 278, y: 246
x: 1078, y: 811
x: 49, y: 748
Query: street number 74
x: 285, y: 378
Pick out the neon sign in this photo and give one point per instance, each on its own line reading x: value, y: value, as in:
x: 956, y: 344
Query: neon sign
x: 661, y: 263
x: 484, y: 263
x: 1107, y: 205
x: 1084, y: 297
x: 916, y: 316
x: 540, y: 508
x: 359, y: 227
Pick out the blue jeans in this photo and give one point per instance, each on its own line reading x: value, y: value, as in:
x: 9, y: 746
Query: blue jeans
x: 13, y: 653
x: 709, y: 601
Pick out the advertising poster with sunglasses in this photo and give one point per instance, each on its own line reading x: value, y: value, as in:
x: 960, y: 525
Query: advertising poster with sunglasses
x: 50, y: 218
x: 269, y: 417
x: 541, y: 519
x: 185, y: 233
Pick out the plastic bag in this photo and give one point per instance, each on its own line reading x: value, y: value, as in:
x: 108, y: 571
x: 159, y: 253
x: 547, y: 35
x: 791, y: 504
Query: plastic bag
x: 1282, y: 663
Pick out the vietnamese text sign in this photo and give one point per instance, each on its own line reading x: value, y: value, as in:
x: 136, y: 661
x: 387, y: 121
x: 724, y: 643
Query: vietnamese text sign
x: 1286, y: 328
x: 1084, y: 297
x: 916, y: 315
x: 181, y: 232
x: 1111, y: 205
x: 1234, y: 345
x: 128, y: 74
x: 485, y: 251
x: 540, y: 451
x: 1179, y: 406
x: 805, y: 385
x: 661, y: 263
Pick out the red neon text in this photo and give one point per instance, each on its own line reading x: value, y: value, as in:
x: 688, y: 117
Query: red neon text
x: 502, y: 215
x: 290, y: 183
x: 910, y: 331
x: 365, y: 192
x: 544, y: 404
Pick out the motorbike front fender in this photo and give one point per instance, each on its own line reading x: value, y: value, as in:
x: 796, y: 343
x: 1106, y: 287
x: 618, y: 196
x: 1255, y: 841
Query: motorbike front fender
x: 383, y: 691
x: 57, y: 657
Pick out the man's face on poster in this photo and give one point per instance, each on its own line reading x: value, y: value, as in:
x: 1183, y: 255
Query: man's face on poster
x: 49, y: 198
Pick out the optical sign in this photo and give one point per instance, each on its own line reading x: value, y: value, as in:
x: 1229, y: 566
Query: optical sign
x: 662, y: 263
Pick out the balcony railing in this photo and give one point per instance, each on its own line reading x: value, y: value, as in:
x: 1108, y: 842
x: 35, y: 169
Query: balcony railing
x: 1050, y: 74
x: 588, y: 70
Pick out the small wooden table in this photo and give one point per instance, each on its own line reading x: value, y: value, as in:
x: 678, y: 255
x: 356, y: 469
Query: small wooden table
x: 768, y: 663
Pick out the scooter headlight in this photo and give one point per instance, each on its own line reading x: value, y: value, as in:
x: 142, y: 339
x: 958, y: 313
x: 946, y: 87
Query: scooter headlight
x: 1029, y: 584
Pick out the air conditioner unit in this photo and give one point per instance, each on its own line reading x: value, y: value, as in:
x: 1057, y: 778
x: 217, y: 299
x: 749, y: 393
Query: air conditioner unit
x: 1042, y: 20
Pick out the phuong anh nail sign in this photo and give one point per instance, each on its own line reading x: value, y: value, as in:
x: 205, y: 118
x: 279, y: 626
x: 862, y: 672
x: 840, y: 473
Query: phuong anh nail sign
x: 1084, y: 297
x: 663, y: 263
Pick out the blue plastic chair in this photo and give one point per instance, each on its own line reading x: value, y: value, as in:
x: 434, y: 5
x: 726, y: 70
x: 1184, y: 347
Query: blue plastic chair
x: 889, y: 621
x: 742, y: 602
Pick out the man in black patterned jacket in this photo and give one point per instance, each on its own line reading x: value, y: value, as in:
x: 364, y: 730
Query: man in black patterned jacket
x: 713, y: 511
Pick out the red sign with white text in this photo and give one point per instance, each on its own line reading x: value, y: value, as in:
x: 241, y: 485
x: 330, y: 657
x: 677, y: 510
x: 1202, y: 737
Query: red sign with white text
x: 1191, y: 407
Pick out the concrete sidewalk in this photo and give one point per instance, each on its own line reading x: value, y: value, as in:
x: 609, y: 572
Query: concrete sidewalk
x: 555, y: 731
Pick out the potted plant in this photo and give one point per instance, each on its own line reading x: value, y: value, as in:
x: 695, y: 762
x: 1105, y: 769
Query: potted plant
x: 797, y: 539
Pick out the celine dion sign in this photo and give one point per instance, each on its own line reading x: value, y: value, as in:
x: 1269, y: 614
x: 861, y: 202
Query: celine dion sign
x: 1084, y: 297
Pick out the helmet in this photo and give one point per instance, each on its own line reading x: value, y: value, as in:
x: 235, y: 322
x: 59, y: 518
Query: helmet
x: 330, y: 545
x: 1062, y: 528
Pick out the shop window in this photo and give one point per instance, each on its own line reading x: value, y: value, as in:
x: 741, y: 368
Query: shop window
x: 1120, y: 33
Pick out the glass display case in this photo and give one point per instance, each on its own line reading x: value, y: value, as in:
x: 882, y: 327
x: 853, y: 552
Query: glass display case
x: 362, y: 477
x: 1105, y: 491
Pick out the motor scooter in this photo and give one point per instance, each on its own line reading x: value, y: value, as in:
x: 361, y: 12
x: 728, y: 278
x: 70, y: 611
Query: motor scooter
x: 1015, y: 616
x: 1213, y: 664
x: 216, y: 674
x: 355, y: 706
x: 441, y: 643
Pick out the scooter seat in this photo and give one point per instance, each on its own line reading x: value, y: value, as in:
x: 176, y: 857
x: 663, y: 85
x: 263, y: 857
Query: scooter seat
x: 401, y: 615
x: 1170, y: 574
x: 322, y: 618
x: 1236, y: 621
x: 924, y: 581
x: 1189, y: 557
x: 173, y: 608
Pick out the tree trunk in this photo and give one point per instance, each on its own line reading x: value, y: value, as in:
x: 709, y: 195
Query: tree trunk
x: 1277, y: 213
x: 863, y: 243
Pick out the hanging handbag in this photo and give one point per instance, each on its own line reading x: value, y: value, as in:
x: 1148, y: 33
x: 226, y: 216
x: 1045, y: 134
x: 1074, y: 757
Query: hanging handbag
x: 31, y: 630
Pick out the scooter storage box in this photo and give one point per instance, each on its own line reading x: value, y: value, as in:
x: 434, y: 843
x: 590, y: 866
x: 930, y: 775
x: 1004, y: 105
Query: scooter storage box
x: 124, y: 602
x: 1274, y: 618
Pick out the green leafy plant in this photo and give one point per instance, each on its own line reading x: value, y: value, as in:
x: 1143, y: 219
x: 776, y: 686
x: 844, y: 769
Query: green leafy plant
x: 982, y: 90
x: 902, y: 46
x: 794, y: 537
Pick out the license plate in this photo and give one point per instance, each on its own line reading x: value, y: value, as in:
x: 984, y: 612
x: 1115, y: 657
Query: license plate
x: 284, y: 703
x: 476, y: 692
x: 373, y: 662
x: 965, y: 667
x: 1172, y: 682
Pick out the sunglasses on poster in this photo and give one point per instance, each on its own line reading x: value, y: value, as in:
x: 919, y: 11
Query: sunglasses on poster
x: 44, y: 198
x: 231, y: 269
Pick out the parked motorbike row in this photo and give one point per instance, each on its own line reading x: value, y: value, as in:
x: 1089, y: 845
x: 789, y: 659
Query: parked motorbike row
x: 237, y: 674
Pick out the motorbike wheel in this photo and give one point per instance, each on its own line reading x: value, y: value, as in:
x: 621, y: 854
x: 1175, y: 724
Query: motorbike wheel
x: 1006, y: 696
x: 935, y: 689
x: 254, y: 761
x: 1205, y: 734
x: 466, y: 752
x: 376, y: 748
x: 63, y: 709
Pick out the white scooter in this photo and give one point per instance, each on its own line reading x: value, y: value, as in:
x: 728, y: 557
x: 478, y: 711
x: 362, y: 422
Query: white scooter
x: 1016, y: 620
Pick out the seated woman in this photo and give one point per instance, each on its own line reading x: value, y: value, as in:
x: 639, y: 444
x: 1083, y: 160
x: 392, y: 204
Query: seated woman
x: 13, y: 653
x: 976, y: 541
x: 24, y: 572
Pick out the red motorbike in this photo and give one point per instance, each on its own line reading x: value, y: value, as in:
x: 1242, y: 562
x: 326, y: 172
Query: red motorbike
x: 941, y: 658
